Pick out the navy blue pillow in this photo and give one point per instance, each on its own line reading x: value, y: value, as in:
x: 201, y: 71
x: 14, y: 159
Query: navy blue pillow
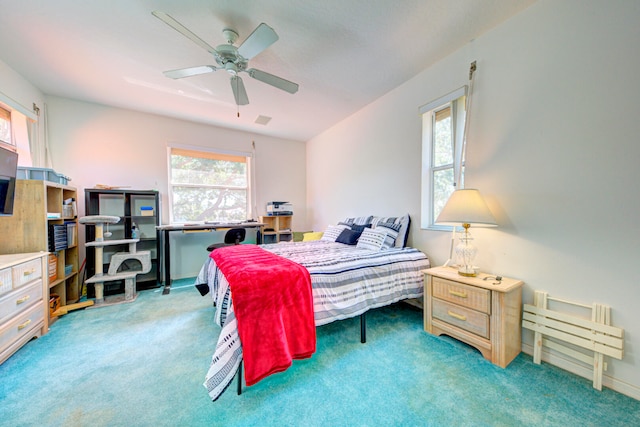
x: 360, y: 228
x: 349, y: 237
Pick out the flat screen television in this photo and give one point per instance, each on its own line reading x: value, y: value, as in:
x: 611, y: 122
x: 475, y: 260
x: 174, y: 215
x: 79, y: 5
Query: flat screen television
x: 8, y: 170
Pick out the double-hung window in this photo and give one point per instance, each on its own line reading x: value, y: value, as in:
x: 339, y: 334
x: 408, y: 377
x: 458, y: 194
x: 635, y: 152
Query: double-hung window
x: 5, y: 125
x: 443, y: 122
x: 209, y: 185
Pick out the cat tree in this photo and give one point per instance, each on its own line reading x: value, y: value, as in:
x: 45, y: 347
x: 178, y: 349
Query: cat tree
x: 117, y: 259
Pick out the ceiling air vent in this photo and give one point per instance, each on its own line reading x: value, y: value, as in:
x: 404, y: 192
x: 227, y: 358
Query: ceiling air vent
x: 263, y: 120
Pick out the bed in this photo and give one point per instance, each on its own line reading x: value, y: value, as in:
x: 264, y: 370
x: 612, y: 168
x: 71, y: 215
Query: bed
x: 349, y: 276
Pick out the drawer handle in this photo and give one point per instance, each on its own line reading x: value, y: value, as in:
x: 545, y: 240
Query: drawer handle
x: 457, y: 316
x: 24, y: 325
x: 458, y: 294
x: 29, y: 272
x: 23, y: 299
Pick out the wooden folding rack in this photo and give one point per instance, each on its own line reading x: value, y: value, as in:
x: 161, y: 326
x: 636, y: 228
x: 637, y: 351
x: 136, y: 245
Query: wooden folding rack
x: 595, y: 335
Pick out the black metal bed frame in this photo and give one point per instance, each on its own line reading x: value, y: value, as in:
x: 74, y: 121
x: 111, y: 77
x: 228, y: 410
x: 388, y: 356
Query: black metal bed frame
x: 363, y: 339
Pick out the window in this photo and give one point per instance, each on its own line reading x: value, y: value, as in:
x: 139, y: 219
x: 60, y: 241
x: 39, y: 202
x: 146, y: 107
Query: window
x: 19, y: 127
x: 5, y: 125
x: 443, y: 153
x: 208, y: 185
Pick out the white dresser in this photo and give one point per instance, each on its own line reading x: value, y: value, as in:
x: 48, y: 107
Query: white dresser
x: 24, y: 305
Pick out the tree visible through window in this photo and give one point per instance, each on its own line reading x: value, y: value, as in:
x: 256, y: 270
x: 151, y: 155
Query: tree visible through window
x: 208, y: 186
x: 443, y: 129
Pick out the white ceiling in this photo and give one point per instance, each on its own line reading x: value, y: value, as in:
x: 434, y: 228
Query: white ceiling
x: 343, y: 53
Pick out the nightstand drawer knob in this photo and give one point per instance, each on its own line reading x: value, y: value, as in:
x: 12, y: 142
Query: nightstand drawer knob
x: 23, y: 300
x: 28, y: 272
x: 457, y: 316
x: 458, y: 294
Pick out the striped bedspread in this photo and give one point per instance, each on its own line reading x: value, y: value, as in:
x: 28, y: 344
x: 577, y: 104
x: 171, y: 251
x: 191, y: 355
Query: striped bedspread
x: 347, y: 281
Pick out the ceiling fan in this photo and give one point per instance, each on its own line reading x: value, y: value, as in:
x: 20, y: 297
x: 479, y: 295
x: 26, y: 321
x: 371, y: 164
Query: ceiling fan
x: 231, y: 58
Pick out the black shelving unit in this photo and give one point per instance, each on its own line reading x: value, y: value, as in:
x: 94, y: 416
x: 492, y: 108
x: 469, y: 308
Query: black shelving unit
x: 139, y: 207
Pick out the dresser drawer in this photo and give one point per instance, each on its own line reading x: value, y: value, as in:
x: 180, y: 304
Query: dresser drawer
x: 21, y: 325
x: 461, y: 294
x: 470, y: 320
x: 19, y: 300
x: 5, y: 280
x: 26, y: 272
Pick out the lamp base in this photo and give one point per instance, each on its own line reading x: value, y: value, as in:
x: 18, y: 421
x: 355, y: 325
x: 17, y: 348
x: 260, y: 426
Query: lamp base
x: 468, y: 271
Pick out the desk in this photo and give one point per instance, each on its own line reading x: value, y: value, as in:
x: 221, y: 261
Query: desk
x: 168, y: 228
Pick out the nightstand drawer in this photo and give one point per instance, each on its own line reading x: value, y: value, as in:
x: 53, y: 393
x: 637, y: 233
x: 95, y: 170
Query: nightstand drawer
x: 461, y: 294
x: 464, y: 318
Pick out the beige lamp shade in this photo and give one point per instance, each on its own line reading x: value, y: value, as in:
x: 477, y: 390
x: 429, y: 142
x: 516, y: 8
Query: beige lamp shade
x: 466, y: 206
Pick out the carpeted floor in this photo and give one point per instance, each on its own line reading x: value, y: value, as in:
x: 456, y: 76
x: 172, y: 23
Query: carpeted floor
x: 143, y: 364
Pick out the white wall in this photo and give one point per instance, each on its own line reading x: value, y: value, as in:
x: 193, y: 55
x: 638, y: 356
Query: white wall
x: 17, y: 89
x: 553, y: 146
x: 95, y: 144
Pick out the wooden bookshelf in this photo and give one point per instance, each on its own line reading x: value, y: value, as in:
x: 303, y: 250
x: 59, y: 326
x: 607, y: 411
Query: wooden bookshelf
x: 37, y: 206
x: 276, y: 228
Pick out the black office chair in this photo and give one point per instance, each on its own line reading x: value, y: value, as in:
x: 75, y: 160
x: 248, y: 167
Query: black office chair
x: 234, y: 236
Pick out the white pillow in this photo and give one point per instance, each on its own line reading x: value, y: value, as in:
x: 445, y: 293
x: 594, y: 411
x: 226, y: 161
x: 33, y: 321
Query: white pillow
x: 332, y: 232
x: 392, y: 233
x: 371, y: 239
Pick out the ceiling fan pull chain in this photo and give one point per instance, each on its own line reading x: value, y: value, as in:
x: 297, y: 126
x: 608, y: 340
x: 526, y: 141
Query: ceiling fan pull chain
x: 237, y: 105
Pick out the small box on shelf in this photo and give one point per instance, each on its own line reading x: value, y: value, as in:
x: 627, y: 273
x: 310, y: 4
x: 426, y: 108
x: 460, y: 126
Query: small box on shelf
x: 53, y: 267
x: 146, y: 211
x: 57, y: 237
x: 54, y: 304
x: 72, y: 234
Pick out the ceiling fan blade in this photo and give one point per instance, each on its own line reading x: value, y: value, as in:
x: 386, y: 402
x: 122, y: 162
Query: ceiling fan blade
x: 274, y: 81
x: 238, y: 91
x: 261, y: 38
x: 188, y: 72
x: 170, y: 21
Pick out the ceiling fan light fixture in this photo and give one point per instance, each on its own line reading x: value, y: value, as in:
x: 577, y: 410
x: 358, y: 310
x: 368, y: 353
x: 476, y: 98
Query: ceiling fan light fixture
x: 231, y: 68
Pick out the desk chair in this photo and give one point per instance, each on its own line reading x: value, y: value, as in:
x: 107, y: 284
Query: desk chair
x: 234, y: 236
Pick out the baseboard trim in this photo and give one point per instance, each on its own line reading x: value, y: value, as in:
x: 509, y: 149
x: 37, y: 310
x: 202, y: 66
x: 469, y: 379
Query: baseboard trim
x: 585, y: 372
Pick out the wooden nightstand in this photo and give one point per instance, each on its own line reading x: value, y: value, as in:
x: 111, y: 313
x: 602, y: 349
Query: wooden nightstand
x: 478, y: 312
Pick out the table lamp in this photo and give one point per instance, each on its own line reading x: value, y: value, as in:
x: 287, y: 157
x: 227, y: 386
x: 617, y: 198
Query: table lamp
x: 466, y: 207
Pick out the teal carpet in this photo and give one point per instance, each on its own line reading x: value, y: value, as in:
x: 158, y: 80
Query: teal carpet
x: 143, y: 364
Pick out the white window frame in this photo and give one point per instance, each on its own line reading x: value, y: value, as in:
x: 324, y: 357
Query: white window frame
x: 250, y: 171
x: 428, y: 112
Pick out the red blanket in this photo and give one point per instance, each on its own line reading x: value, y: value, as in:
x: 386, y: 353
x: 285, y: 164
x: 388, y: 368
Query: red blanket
x: 273, y: 303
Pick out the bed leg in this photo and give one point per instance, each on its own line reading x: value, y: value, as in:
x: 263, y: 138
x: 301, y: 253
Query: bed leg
x: 239, y: 378
x: 363, y: 328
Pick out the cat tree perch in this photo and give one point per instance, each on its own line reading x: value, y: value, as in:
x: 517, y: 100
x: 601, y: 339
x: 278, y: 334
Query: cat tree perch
x: 117, y: 259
